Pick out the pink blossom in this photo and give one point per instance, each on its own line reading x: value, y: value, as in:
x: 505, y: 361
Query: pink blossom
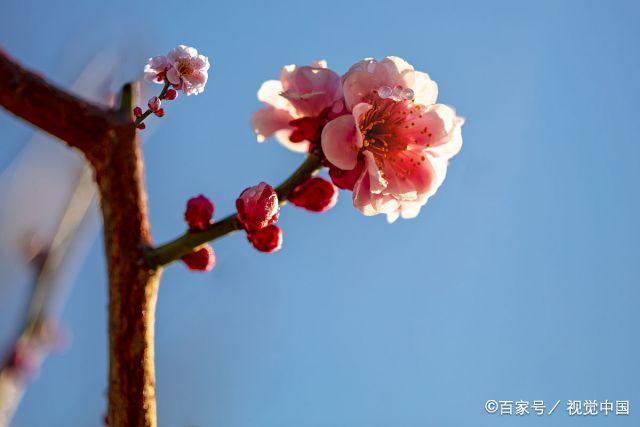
x: 189, y: 71
x: 183, y: 67
x: 298, y: 105
x: 396, y: 134
x: 258, y: 207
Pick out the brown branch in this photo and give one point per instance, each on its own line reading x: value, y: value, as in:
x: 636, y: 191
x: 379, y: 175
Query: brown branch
x: 133, y: 286
x: 79, y: 123
x: 176, y: 249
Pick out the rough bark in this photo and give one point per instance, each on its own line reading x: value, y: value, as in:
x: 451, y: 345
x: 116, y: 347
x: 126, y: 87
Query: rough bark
x: 133, y: 286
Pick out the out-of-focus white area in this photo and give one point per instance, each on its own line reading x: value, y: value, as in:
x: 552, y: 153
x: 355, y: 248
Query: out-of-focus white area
x: 35, y: 191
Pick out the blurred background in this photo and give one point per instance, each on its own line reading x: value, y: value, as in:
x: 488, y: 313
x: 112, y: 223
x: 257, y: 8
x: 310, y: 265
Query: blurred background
x: 519, y: 280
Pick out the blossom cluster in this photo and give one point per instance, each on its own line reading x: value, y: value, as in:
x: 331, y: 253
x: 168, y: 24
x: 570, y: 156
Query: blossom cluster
x: 377, y: 128
x: 182, y: 69
x: 258, y: 211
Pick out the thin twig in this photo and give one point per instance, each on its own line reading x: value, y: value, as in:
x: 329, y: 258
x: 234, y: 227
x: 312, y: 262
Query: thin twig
x: 176, y: 249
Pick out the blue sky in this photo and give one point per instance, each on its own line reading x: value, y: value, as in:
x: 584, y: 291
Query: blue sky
x: 519, y: 280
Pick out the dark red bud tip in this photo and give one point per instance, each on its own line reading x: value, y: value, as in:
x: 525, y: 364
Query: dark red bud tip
x: 159, y: 112
x: 142, y: 126
x: 170, y: 95
x: 268, y: 239
x: 137, y: 111
x: 316, y: 195
x: 199, y: 213
x: 202, y: 259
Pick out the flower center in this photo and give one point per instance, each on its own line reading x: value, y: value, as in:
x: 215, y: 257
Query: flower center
x: 389, y: 129
x: 379, y: 127
x: 185, y: 67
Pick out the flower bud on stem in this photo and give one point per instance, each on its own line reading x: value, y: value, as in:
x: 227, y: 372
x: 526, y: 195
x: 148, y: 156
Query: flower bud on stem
x: 140, y: 118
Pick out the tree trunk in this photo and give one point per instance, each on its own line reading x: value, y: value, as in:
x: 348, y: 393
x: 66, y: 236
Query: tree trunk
x: 133, y: 287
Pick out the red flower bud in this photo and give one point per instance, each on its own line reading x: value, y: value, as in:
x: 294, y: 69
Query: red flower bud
x: 316, y: 195
x: 268, y: 239
x: 257, y: 207
x: 170, y: 95
x: 201, y: 259
x: 142, y: 126
x: 137, y: 111
x: 159, y: 112
x: 154, y: 103
x: 199, y: 212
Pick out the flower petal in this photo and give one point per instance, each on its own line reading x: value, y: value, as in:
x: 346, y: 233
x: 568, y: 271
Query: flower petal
x: 173, y: 76
x: 310, y: 89
x: 410, y: 173
x: 362, y: 195
x: 268, y: 120
x: 368, y: 75
x: 269, y: 93
x: 425, y: 90
x: 377, y: 182
x: 436, y: 128
x: 284, y: 137
x: 340, y: 142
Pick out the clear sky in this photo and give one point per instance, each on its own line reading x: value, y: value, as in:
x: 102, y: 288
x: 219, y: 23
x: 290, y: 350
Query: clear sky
x: 519, y: 280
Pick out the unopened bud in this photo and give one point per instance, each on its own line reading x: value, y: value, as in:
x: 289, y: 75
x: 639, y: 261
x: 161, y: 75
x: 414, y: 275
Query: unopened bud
x: 316, y: 195
x: 201, y: 259
x: 258, y: 207
x: 268, y: 239
x: 170, y: 95
x: 154, y: 103
x: 199, y: 213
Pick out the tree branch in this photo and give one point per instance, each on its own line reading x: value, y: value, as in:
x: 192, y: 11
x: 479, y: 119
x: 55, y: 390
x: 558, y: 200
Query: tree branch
x: 79, y: 123
x: 176, y: 249
x: 133, y: 287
